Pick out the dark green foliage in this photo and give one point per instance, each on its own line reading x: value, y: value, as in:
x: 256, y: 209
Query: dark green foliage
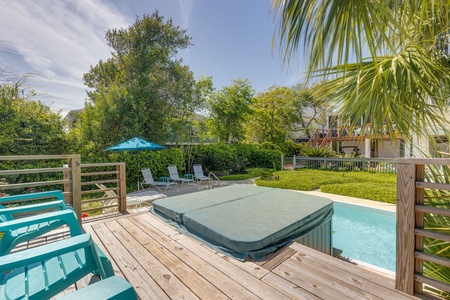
x: 223, y: 157
x: 230, y: 108
x: 208, y: 161
x: 157, y: 161
x: 291, y: 148
x: 270, y: 146
x: 261, y: 158
x: 239, y: 165
x: 28, y: 127
x: 317, y: 151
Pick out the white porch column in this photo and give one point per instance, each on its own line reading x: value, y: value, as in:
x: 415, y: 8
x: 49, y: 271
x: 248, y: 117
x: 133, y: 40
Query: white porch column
x: 367, y: 148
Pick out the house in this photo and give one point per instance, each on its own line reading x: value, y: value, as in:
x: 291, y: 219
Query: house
x: 359, y: 140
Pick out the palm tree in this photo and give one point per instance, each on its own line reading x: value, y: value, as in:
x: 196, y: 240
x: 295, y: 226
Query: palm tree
x: 387, y: 60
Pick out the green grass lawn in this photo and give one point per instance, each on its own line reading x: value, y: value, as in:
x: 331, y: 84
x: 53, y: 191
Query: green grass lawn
x: 372, y: 186
x: 251, y: 173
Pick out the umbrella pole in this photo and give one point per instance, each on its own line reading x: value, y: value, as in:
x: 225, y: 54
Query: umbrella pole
x: 137, y: 153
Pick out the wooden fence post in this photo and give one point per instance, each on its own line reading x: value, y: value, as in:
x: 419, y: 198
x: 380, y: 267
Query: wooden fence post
x: 75, y: 174
x: 122, y: 188
x: 67, y: 191
x: 406, y: 194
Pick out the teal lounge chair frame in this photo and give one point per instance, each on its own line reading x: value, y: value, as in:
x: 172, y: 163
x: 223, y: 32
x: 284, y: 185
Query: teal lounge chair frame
x: 32, y: 226
x: 24, y: 229
x: 111, y: 288
x: 43, y: 272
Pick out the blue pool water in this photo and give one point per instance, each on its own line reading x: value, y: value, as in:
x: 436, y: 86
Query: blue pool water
x: 365, y: 234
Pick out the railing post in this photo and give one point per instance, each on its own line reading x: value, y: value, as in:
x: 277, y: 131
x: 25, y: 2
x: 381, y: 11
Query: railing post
x: 293, y: 163
x: 75, y: 176
x: 282, y: 162
x: 66, y: 177
x: 406, y: 195
x: 122, y: 188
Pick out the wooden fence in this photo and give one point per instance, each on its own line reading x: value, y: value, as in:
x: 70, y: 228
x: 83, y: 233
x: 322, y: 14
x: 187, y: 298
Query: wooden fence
x: 422, y: 194
x: 377, y: 165
x: 88, y: 188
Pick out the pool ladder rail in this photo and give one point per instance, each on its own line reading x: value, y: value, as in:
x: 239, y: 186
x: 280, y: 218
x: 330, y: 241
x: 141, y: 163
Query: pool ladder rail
x: 213, y: 177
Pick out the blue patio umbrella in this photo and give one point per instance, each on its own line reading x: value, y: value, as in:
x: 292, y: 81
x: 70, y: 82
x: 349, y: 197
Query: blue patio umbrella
x: 136, y: 144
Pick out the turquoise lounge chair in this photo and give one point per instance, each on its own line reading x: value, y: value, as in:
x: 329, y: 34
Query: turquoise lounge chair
x: 32, y: 226
x: 111, y: 288
x: 24, y: 229
x: 43, y: 272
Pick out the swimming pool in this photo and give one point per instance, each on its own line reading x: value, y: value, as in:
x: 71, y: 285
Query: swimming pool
x: 365, y: 234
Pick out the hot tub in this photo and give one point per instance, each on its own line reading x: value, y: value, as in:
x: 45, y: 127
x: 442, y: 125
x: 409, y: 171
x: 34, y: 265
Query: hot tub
x: 246, y: 220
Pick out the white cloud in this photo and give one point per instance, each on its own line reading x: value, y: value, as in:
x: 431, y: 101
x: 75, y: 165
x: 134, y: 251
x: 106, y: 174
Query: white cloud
x: 186, y: 11
x: 57, y: 40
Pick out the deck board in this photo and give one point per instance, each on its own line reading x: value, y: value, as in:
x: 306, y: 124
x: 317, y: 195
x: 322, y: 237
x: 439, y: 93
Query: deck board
x: 164, y: 264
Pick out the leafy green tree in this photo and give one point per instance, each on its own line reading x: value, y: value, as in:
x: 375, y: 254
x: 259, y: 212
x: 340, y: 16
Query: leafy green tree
x: 28, y: 127
x: 274, y: 115
x: 229, y: 110
x: 142, y: 90
x: 311, y: 113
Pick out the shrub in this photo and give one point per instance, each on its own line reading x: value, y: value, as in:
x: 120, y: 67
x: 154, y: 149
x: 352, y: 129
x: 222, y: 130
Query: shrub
x: 291, y: 148
x: 223, y: 154
x: 317, y: 151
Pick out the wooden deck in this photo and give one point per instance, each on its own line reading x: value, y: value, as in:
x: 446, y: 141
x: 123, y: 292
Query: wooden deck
x: 164, y: 264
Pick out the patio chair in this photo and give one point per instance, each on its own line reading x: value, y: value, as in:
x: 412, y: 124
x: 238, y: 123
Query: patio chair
x: 111, y: 198
x: 148, y: 180
x: 198, y: 174
x: 111, y: 288
x: 44, y: 271
x: 173, y: 173
x: 26, y: 222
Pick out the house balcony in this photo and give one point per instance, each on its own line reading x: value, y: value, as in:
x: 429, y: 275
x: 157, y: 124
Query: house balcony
x: 324, y: 137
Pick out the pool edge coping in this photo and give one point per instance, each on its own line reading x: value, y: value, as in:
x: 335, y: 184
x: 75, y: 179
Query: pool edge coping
x: 356, y: 201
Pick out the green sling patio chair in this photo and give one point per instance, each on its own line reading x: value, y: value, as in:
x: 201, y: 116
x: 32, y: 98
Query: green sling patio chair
x: 44, y: 271
x: 24, y: 231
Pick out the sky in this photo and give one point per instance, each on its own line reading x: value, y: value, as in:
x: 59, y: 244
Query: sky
x: 56, y: 42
